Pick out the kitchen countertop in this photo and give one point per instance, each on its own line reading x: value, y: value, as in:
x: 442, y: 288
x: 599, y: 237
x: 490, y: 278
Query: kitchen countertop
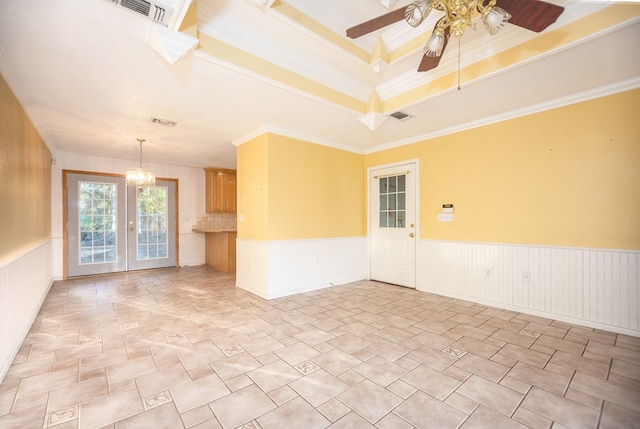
x: 213, y: 230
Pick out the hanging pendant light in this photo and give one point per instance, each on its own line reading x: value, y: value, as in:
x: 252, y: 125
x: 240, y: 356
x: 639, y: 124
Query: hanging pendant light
x: 140, y: 177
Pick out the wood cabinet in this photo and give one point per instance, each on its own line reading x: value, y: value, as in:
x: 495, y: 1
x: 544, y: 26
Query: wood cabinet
x: 220, y: 251
x: 221, y: 189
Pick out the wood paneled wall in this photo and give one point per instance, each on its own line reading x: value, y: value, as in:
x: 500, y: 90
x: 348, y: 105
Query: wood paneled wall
x: 25, y: 181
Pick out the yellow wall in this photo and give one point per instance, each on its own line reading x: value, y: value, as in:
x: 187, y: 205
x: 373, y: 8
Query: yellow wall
x: 253, y: 188
x: 301, y: 190
x: 567, y: 177
x: 314, y: 191
x: 25, y: 180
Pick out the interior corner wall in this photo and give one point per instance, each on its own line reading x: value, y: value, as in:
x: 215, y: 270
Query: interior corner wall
x: 545, y: 213
x: 301, y: 216
x: 253, y: 188
x: 252, y: 250
x: 25, y: 225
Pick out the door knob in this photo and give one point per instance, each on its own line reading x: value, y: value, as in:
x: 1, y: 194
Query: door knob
x: 130, y: 228
x: 411, y: 235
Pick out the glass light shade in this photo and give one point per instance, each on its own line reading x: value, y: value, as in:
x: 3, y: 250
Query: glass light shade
x: 494, y: 19
x: 434, y: 45
x: 417, y: 11
x: 140, y: 177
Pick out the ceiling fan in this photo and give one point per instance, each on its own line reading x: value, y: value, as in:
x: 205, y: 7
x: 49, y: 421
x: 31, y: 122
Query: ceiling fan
x: 534, y: 15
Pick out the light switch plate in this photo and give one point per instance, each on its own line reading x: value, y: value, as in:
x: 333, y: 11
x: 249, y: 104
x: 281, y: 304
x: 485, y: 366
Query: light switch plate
x: 445, y: 217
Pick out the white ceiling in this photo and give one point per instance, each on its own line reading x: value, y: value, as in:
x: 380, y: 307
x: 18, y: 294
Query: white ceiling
x: 90, y: 81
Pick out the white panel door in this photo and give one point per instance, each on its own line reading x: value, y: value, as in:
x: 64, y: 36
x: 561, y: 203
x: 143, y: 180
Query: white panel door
x: 392, y: 212
x: 113, y: 227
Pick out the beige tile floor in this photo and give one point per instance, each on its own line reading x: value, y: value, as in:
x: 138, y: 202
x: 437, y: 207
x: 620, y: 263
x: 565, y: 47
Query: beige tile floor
x: 184, y: 348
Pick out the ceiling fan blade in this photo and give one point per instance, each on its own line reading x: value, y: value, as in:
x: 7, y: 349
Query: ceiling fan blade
x: 376, y: 23
x: 429, y: 63
x: 534, y: 15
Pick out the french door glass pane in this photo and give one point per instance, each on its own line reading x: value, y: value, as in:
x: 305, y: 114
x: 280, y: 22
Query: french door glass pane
x: 97, y: 210
x: 392, y: 201
x: 153, y: 214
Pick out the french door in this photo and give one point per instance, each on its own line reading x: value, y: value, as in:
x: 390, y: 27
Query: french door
x: 114, y: 227
x: 392, y: 224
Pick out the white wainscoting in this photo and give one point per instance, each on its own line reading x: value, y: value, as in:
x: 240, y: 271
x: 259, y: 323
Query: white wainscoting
x: 191, y: 249
x: 24, y: 284
x: 252, y: 266
x: 599, y: 288
x: 273, y: 269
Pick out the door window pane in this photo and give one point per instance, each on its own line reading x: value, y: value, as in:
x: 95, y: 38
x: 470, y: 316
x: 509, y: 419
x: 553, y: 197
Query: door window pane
x: 96, y: 210
x: 383, y: 186
x: 392, y: 184
x: 383, y: 202
x: 401, y: 215
x: 383, y: 219
x: 153, y: 212
x: 392, y: 201
x: 391, y: 219
x: 401, y: 201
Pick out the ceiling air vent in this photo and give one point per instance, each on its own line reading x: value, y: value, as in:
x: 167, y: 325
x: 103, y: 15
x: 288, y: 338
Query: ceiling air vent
x: 401, y: 116
x: 151, y: 9
x: 163, y: 122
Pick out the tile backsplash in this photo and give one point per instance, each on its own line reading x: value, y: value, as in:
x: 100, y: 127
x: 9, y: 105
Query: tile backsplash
x: 217, y: 221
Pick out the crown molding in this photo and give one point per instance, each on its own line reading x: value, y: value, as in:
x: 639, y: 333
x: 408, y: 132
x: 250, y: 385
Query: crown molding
x: 257, y: 132
x: 173, y: 46
x: 180, y: 9
x: 261, y: 4
x: 252, y: 40
x: 276, y: 83
x: 583, y: 96
x: 272, y: 129
x: 373, y: 120
x: 388, y: 3
x: 602, y: 91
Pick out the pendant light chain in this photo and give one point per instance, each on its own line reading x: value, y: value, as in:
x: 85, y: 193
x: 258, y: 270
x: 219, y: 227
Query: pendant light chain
x: 141, y: 141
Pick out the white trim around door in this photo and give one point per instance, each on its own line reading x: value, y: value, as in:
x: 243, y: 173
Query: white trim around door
x: 393, y: 216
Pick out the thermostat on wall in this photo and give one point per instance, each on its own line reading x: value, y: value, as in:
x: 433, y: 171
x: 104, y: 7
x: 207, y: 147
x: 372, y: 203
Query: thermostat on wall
x: 447, y: 208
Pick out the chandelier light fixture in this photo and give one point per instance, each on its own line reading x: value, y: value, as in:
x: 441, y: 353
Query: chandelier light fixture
x: 458, y: 16
x: 140, y: 177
